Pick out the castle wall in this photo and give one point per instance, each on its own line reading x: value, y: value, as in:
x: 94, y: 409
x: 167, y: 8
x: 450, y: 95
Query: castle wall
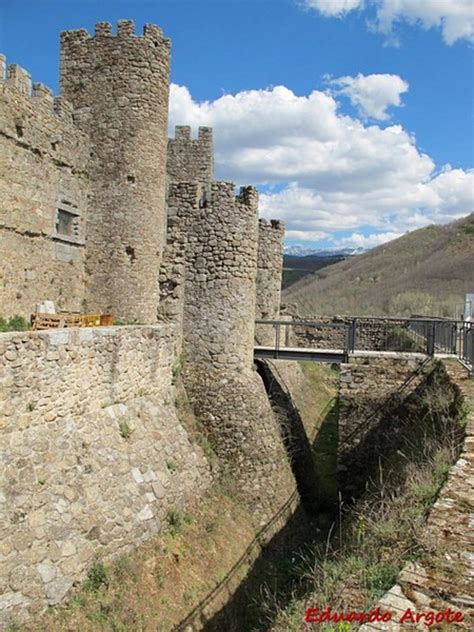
x: 94, y: 455
x: 190, y: 159
x: 217, y: 299
x: 43, y: 171
x: 119, y: 86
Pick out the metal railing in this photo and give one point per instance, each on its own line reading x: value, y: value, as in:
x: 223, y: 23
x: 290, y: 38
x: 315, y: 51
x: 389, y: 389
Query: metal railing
x: 348, y: 335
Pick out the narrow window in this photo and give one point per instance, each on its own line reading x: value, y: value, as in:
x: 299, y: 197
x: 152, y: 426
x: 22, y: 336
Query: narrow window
x: 66, y: 223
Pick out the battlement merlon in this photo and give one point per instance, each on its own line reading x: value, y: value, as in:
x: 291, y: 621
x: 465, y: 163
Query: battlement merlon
x: 218, y: 193
x: 43, y: 94
x: 190, y: 158
x: 205, y: 134
x: 272, y: 224
x: 248, y: 196
x: 225, y: 191
x: 19, y: 78
x: 182, y: 133
x: 103, y: 28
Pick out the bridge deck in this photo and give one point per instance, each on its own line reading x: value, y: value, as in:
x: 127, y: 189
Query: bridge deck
x: 333, y: 355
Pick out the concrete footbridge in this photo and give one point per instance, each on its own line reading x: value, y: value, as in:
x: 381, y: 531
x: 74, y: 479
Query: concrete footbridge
x: 337, y: 340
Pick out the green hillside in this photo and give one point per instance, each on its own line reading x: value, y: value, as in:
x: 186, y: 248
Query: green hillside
x: 427, y: 271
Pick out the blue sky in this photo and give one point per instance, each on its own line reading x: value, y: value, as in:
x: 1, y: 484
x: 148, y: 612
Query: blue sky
x: 355, y: 121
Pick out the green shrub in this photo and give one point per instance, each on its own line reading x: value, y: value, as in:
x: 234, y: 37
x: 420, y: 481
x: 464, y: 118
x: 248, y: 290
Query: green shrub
x: 97, y: 577
x: 15, y: 323
x: 176, y: 520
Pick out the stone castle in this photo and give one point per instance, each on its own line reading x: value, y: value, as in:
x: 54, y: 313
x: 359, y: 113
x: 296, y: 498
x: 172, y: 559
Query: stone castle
x: 92, y: 189
x: 101, y: 212
x: 107, y: 432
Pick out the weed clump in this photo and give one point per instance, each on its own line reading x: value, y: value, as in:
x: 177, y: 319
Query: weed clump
x: 177, y: 519
x: 124, y: 429
x: 97, y: 577
x: 15, y: 323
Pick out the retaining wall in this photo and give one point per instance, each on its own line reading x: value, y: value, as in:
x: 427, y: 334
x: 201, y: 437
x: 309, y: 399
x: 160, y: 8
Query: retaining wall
x: 94, y: 457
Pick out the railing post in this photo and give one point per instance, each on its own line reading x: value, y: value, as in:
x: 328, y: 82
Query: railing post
x: 470, y: 348
x: 277, y: 340
x: 352, y: 336
x: 430, y: 339
x: 454, y: 336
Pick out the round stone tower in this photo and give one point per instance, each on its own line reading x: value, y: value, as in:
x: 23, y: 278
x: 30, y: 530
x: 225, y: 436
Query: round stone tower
x: 119, y: 88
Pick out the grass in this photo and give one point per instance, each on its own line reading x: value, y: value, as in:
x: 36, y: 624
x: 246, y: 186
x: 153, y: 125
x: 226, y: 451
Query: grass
x: 378, y: 538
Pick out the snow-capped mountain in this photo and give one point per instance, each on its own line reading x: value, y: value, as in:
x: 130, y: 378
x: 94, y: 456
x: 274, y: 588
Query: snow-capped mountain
x: 303, y: 251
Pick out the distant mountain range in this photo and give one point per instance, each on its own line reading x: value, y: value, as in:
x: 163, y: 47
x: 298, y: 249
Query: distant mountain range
x: 303, y: 251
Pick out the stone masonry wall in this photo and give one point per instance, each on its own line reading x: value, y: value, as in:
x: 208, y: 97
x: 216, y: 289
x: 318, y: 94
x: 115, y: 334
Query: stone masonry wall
x: 43, y: 168
x: 269, y: 276
x: 93, y: 454
x: 269, y: 268
x: 190, y: 160
x: 119, y: 86
x: 218, y: 308
x: 371, y: 391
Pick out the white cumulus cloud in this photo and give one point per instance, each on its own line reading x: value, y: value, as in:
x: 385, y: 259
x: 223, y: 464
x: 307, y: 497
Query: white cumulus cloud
x: 455, y: 18
x: 371, y: 94
x: 358, y: 240
x: 321, y: 171
x: 334, y: 7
